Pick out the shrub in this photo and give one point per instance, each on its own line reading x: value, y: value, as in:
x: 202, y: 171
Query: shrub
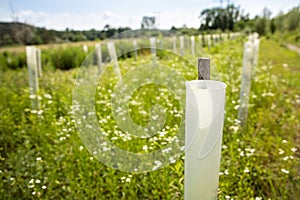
x: 12, y: 60
x: 67, y: 58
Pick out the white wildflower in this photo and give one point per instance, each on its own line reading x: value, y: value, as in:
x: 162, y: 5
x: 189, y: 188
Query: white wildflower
x: 38, y: 158
x: 281, y: 151
x: 167, y: 150
x: 32, y: 96
x: 105, y: 149
x: 234, y: 128
x: 172, y: 160
x: 40, y: 112
x: 246, y: 170
x: 284, y: 141
x: 285, y: 158
x: 145, y: 147
x: 294, y: 149
x: 242, y: 153
x: 285, y: 171
x: 226, y: 172
x: 127, y: 180
x: 47, y: 96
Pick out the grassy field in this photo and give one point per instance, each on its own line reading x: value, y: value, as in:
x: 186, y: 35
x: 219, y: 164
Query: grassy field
x: 42, y: 156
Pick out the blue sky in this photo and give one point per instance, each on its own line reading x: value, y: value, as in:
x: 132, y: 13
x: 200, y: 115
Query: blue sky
x: 87, y: 14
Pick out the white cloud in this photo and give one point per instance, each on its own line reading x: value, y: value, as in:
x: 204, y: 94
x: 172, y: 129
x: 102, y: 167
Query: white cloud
x: 107, y: 14
x: 178, y: 19
x: 61, y: 21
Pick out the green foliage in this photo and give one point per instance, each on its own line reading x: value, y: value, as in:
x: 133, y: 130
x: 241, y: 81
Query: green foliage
x: 288, y: 23
x: 221, y: 18
x: 42, y: 156
x: 12, y: 60
x: 293, y: 19
x: 258, y: 161
x: 263, y: 24
x: 260, y: 26
x: 67, y: 58
x: 24, y: 34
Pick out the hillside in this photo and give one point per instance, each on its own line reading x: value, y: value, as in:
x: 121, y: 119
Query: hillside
x: 12, y: 33
x: 20, y: 33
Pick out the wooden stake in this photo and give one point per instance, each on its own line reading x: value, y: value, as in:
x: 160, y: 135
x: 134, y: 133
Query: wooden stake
x: 203, y: 68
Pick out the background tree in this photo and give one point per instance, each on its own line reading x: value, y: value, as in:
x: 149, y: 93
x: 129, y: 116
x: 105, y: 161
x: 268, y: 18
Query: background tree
x: 293, y: 19
x: 263, y: 23
x: 221, y: 18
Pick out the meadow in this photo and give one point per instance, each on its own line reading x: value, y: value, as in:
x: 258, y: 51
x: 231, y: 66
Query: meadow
x: 42, y: 156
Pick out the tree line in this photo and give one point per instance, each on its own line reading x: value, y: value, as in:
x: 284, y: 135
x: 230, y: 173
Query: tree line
x: 233, y: 18
x: 12, y: 33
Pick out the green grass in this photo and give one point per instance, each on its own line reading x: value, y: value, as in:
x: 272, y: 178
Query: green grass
x: 42, y: 156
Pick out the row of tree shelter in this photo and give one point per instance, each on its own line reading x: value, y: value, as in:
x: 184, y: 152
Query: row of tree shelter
x: 186, y: 45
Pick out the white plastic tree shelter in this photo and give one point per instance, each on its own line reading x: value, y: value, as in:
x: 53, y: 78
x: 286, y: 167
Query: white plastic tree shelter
x: 98, y: 54
x: 181, y: 38
x: 250, y: 59
x: 153, y: 50
x: 201, y: 40
x: 218, y: 38
x: 85, y: 48
x: 246, y: 81
x: 39, y: 62
x: 224, y: 37
x: 174, y: 44
x: 32, y: 64
x: 193, y: 45
x: 205, y: 101
x: 113, y: 56
x: 135, y: 49
x: 256, y: 42
x: 214, y: 39
x: 207, y: 41
x: 160, y: 43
